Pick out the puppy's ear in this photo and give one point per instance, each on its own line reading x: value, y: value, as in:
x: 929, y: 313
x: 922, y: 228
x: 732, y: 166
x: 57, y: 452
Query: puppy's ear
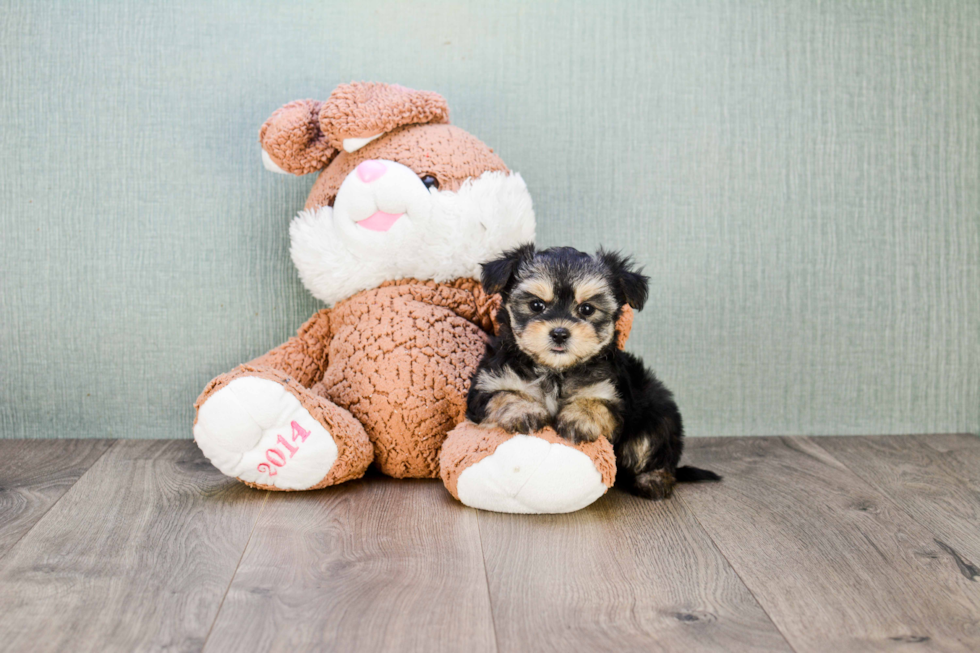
x: 632, y: 286
x: 498, y: 274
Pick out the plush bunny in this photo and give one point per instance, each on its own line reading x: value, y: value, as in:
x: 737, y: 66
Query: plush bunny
x: 404, y: 210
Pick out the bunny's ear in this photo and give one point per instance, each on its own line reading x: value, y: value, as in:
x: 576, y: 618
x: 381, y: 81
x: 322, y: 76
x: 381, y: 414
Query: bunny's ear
x: 292, y: 140
x: 623, y: 326
x: 304, y: 136
x: 359, y: 112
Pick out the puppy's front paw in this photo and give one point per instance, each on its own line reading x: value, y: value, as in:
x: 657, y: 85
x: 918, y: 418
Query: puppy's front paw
x: 515, y: 414
x: 585, y: 421
x: 576, y: 432
x: 529, y: 422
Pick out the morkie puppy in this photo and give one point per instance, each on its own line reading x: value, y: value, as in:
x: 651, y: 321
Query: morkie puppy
x: 555, y: 363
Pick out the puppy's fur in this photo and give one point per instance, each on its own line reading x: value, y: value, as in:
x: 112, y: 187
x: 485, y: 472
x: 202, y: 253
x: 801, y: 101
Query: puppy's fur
x: 555, y: 362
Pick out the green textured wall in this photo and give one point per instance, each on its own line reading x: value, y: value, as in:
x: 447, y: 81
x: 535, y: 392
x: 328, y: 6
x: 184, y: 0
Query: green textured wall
x: 801, y: 180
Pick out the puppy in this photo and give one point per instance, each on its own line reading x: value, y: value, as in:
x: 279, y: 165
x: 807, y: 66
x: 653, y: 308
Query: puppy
x: 555, y: 363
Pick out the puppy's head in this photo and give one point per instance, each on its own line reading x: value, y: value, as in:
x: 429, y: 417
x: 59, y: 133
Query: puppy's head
x: 562, y: 304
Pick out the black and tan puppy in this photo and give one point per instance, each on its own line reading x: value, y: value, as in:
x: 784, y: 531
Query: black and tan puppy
x: 555, y: 363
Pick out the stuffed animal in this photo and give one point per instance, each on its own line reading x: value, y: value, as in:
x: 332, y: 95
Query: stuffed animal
x: 528, y: 473
x: 404, y: 210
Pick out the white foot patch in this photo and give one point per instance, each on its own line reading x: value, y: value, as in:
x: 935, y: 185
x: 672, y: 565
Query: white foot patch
x: 529, y: 475
x: 256, y: 430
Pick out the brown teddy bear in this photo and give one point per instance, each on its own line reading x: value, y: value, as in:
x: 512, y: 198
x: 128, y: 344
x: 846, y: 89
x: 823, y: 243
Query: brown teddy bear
x: 404, y: 210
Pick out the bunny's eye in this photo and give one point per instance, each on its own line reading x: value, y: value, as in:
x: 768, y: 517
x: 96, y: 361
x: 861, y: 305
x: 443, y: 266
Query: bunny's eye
x: 430, y: 181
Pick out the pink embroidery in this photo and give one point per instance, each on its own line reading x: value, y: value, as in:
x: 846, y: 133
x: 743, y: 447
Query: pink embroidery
x: 299, y: 431
x: 278, y: 454
x: 277, y: 457
x: 271, y: 471
x: 290, y: 448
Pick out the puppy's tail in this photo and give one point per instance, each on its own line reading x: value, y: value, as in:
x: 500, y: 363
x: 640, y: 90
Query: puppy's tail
x: 688, y: 474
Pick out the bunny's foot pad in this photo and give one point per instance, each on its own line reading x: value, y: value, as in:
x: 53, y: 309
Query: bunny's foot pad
x: 269, y: 432
x: 540, y: 472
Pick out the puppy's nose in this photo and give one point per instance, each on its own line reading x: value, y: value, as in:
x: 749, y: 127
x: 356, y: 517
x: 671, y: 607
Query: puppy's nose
x: 370, y: 170
x: 560, y: 334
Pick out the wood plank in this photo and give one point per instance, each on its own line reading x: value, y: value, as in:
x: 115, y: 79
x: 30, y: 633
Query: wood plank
x: 934, y: 478
x: 372, y: 565
x: 835, y: 563
x: 135, y: 556
x: 622, y: 575
x: 34, y: 475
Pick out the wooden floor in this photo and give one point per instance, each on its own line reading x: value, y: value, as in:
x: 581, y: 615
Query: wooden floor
x: 809, y: 544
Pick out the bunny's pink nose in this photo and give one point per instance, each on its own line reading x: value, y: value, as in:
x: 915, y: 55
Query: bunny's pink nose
x: 370, y: 170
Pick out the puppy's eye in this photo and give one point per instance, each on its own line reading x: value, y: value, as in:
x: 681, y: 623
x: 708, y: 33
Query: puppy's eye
x: 430, y: 181
x: 537, y: 305
x: 586, y: 309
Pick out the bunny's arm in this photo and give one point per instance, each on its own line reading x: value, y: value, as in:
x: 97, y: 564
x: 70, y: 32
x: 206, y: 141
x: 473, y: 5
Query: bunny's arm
x: 304, y: 356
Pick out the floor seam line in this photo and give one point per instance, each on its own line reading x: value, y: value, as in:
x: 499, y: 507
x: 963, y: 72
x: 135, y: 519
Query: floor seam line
x: 486, y: 578
x: 738, y: 575
x: 58, y: 500
x: 221, y: 604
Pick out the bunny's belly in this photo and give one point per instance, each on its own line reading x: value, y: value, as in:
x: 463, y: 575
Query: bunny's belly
x: 403, y: 367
